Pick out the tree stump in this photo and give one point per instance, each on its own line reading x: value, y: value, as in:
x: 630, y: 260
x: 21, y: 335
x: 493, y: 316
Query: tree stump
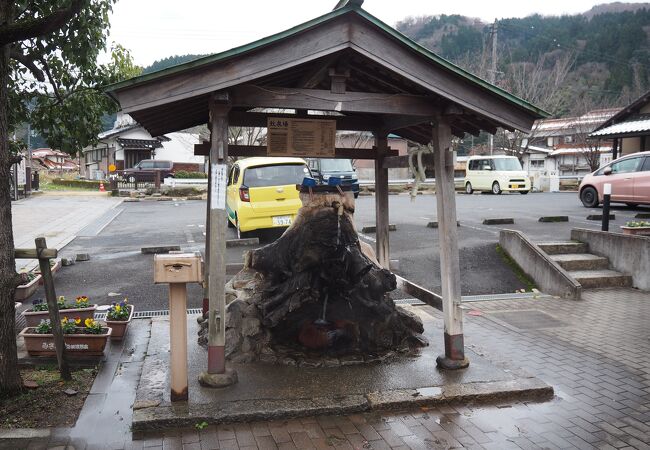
x: 316, y: 296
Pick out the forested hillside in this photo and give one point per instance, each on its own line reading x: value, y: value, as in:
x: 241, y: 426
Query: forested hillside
x: 566, y: 64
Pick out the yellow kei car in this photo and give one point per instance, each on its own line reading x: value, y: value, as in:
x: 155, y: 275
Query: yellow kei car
x: 262, y: 192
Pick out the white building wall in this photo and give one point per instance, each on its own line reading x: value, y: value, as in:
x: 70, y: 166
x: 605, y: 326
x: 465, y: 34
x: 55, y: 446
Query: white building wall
x: 180, y: 149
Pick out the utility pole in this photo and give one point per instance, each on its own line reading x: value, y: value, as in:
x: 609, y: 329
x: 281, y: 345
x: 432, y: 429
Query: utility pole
x: 493, y: 70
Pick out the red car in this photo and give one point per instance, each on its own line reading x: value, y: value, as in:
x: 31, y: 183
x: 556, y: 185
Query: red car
x: 146, y: 170
x: 629, y: 177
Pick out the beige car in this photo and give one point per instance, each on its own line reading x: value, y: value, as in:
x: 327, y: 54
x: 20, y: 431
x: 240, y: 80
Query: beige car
x: 629, y: 177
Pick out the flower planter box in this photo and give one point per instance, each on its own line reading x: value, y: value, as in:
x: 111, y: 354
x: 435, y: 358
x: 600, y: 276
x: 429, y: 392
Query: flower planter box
x: 24, y: 291
x: 120, y: 327
x: 76, y: 345
x: 636, y: 231
x: 33, y: 318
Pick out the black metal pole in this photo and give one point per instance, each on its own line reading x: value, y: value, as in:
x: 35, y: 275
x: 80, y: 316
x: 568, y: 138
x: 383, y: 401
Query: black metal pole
x: 605, y: 226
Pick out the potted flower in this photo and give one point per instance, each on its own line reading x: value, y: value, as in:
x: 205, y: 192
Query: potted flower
x: 640, y: 228
x: 29, y: 285
x: 81, y: 337
x: 118, y: 318
x: 81, y: 308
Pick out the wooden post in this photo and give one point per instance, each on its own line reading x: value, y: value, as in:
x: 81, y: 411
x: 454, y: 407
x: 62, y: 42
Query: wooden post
x: 381, y: 201
x: 178, y: 341
x: 219, y: 108
x: 454, y: 357
x: 157, y: 181
x: 52, y: 307
x: 206, y: 257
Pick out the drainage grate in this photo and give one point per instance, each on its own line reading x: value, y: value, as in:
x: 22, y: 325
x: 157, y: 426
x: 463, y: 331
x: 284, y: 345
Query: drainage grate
x: 151, y: 314
x: 408, y: 301
x: 515, y: 296
x: 528, y: 320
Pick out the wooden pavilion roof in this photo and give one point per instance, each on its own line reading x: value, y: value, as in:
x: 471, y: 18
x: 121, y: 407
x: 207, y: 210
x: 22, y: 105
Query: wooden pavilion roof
x: 391, y: 83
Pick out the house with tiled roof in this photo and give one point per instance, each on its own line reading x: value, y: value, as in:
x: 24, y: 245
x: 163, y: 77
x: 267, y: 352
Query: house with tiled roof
x: 628, y: 129
x: 53, y: 160
x: 128, y: 143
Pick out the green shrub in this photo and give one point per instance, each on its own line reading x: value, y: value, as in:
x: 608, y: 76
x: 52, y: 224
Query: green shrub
x: 86, y: 184
x: 186, y: 174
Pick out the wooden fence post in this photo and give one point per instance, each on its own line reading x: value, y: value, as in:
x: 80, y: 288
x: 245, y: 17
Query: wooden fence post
x: 53, y: 308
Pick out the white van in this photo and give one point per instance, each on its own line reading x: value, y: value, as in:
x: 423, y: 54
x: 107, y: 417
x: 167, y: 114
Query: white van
x: 496, y: 174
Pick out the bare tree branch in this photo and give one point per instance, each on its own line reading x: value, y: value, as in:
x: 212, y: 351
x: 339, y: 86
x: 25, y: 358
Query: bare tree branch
x: 32, y: 28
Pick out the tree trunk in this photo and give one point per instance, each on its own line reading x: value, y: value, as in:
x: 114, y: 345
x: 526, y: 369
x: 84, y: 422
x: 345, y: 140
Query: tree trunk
x: 10, y: 381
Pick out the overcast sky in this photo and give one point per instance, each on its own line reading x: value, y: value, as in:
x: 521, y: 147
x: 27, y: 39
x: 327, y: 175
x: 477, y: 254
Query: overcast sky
x: 155, y: 29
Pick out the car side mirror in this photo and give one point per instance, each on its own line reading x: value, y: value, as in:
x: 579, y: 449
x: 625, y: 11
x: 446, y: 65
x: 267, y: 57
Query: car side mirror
x: 607, y: 171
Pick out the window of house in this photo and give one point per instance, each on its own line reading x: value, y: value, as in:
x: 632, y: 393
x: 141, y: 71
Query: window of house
x: 536, y: 163
x: 568, y: 139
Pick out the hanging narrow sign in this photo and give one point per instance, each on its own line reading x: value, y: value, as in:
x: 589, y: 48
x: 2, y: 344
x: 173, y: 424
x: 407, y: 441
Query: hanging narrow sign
x: 301, y: 137
x: 218, y: 188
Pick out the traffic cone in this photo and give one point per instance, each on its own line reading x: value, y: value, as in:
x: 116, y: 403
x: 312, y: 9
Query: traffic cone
x: 101, y: 187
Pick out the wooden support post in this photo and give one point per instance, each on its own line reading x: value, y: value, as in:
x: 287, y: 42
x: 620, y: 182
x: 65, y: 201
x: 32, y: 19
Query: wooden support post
x: 454, y: 357
x: 381, y: 201
x: 217, y: 375
x: 52, y: 306
x: 206, y: 257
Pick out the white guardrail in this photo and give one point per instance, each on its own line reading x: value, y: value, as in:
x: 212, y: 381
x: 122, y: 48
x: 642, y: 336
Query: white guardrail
x: 173, y: 182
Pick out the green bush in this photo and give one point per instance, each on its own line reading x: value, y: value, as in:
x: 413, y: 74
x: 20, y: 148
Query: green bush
x: 186, y: 174
x: 86, y: 184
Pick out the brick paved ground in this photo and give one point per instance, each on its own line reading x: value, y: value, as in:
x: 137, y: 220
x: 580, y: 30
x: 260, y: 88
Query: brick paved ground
x: 596, y: 357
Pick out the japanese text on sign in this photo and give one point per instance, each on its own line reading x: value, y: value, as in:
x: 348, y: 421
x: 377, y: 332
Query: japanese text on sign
x: 301, y: 137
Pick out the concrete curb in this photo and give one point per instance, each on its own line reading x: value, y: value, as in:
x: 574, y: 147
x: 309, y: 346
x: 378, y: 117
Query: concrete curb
x: 373, y: 228
x: 504, y: 221
x: 548, y: 219
x: 242, y: 242
x: 25, y: 433
x: 161, y: 417
x: 600, y: 217
x: 160, y: 249
x: 434, y: 224
x: 642, y: 216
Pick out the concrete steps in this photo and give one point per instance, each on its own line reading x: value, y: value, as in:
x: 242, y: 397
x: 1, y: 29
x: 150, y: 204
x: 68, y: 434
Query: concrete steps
x: 591, y: 271
x: 560, y: 248
x: 580, y: 261
x: 591, y: 279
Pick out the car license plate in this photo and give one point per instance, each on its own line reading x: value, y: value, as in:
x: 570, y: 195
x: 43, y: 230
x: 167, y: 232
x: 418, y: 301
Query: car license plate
x: 280, y: 221
x: 515, y: 186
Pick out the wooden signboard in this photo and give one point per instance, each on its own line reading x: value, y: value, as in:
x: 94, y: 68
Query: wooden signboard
x: 301, y: 137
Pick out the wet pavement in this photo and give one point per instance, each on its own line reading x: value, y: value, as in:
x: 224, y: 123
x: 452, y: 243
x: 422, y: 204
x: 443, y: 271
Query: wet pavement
x: 595, y: 358
x: 270, y: 390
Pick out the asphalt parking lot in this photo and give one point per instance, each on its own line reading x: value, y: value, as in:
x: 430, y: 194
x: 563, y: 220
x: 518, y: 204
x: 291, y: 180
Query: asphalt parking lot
x: 118, y: 269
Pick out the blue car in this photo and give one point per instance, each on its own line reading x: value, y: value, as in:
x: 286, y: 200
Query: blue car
x: 324, y: 169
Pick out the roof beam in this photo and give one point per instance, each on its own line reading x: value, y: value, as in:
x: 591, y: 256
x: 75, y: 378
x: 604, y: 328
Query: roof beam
x: 317, y: 73
x: 203, y: 149
x: 354, y: 102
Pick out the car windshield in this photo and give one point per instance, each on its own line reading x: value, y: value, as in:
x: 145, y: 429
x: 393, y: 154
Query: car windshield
x: 336, y: 165
x: 507, y: 164
x: 275, y: 175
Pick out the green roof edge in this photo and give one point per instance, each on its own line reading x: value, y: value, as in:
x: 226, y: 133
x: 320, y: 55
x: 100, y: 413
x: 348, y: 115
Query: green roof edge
x: 228, y: 53
x: 311, y: 23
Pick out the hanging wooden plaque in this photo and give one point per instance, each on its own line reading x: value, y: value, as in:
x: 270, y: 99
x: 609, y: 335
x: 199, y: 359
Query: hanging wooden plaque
x: 301, y: 137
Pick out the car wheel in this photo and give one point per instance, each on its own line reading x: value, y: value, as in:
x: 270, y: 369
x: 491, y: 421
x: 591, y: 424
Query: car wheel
x: 589, y: 197
x: 468, y: 188
x: 496, y: 188
x: 523, y: 192
x: 131, y: 179
x: 632, y: 205
x: 356, y: 195
x: 230, y: 224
